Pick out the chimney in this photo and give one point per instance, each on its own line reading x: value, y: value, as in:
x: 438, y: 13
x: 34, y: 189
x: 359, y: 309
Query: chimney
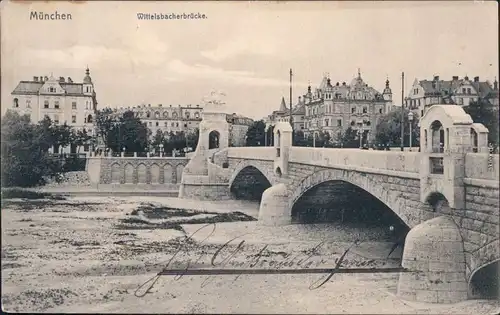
x: 476, y: 79
x: 46, y: 78
x: 466, y: 78
x: 337, y: 84
x: 159, y: 105
x: 436, y: 78
x: 41, y: 78
x: 343, y: 83
x: 61, y: 79
x: 35, y: 79
x: 455, y: 78
x: 149, y: 105
x: 70, y: 80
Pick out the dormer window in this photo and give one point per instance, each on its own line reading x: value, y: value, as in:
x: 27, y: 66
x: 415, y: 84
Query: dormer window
x: 187, y: 115
x: 196, y: 115
x: 52, y: 89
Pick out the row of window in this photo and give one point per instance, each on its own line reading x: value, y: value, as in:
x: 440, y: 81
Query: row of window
x: 166, y: 115
x: 46, y: 104
x: 88, y: 119
x: 52, y: 89
x: 354, y: 110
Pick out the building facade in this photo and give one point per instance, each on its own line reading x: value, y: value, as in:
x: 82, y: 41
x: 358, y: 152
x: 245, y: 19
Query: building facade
x: 184, y: 118
x: 333, y: 108
x: 62, y: 100
x: 283, y: 115
x: 425, y: 93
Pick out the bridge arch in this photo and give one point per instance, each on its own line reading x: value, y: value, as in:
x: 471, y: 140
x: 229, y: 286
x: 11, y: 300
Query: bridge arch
x: 249, y: 180
x: 366, y: 182
x: 483, y: 281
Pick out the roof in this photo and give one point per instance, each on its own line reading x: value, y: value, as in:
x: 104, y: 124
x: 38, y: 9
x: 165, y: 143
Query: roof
x: 27, y: 87
x: 33, y: 87
x: 283, y: 104
x: 299, y: 109
x: 484, y: 89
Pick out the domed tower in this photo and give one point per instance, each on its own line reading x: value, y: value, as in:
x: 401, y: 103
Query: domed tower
x: 88, y: 86
x: 387, y: 91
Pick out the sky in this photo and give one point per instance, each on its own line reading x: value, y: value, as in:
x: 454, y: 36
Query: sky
x: 245, y: 49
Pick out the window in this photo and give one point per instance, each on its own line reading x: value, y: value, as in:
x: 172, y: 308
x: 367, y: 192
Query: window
x: 16, y: 103
x: 421, y: 113
x: 173, y: 125
x: 365, y: 110
x: 73, y: 105
x: 165, y: 114
x: 326, y: 122
x: 157, y: 124
x: 187, y: 115
x: 157, y: 115
x: 353, y: 110
x: 196, y: 115
x: 339, y: 122
x: 150, y: 124
x: 89, y: 119
x: 73, y: 119
x: 381, y: 110
x: 46, y: 104
x: 468, y: 91
x: 148, y: 115
x: 463, y: 90
x: 28, y: 103
x: 56, y: 104
x: 52, y: 89
x: 460, y: 101
x: 174, y: 115
x: 56, y: 119
x: 166, y: 124
x: 177, y: 124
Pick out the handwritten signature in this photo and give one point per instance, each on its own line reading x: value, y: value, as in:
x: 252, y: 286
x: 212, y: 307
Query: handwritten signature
x: 217, y: 260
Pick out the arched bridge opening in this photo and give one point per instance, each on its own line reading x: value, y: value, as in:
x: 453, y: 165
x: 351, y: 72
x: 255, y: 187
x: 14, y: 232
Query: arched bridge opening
x: 249, y: 184
x: 351, y: 208
x: 484, y: 282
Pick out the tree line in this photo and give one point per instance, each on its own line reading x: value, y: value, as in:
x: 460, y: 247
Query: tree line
x: 26, y: 159
x: 127, y: 133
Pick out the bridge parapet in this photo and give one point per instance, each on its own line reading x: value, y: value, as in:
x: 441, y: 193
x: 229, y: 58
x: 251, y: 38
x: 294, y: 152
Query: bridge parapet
x: 482, y: 166
x: 252, y: 153
x: 381, y: 161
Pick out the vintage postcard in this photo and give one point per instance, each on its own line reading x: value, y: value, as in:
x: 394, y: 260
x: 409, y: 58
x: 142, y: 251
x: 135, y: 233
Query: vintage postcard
x: 270, y: 157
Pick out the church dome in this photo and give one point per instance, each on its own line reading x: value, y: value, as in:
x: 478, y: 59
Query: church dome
x: 87, y: 78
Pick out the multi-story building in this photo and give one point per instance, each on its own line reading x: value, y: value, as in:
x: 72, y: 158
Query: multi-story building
x: 62, y: 100
x: 333, y: 108
x: 425, y: 93
x: 179, y: 118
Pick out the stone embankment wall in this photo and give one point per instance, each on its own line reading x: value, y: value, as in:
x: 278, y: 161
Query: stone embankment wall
x: 136, y: 170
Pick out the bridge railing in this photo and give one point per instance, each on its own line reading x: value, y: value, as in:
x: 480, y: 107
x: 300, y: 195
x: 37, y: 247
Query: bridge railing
x: 370, y: 159
x: 482, y: 166
x: 253, y: 153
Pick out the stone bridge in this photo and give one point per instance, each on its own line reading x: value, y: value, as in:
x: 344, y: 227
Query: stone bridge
x: 446, y: 194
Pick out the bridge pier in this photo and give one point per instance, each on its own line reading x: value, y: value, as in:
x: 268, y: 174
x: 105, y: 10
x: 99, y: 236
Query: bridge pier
x: 434, y: 255
x: 274, y: 207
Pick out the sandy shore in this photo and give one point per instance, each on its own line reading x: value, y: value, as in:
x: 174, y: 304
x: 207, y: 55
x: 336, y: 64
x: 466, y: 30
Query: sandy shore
x: 90, y: 254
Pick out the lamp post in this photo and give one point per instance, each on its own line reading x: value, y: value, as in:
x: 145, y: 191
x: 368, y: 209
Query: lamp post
x: 410, y: 120
x: 360, y: 135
